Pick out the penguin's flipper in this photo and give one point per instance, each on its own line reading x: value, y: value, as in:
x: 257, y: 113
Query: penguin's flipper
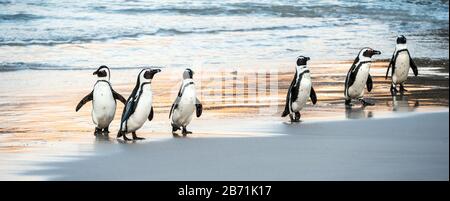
x: 127, y: 111
x: 150, y: 116
x: 352, y: 77
x: 171, y: 110
x: 395, y: 59
x: 174, y: 105
x: 86, y: 99
x: 313, y: 96
x: 294, y: 93
x: 413, y: 65
x: 390, y: 64
x: 369, y: 83
x: 198, y: 108
x: 118, y: 97
x: 352, y: 73
x: 288, y: 96
x: 177, y: 100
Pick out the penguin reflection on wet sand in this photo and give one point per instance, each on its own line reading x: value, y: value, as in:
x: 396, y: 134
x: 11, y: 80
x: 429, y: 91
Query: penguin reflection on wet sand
x: 299, y: 91
x: 103, y: 99
x: 401, y: 103
x: 358, y: 77
x: 185, y: 104
x: 139, y: 105
x: 400, y: 62
x: 357, y: 113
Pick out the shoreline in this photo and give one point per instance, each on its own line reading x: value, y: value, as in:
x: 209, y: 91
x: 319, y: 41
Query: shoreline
x: 23, y: 66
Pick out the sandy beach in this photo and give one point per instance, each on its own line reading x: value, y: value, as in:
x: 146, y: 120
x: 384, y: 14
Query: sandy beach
x: 44, y: 138
x: 381, y: 149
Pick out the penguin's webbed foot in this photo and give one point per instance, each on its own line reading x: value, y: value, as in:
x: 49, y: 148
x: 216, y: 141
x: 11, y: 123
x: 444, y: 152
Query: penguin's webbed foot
x: 185, y: 132
x: 291, y: 117
x: 402, y: 89
x: 106, y: 131
x: 135, y: 137
x: 174, y: 130
x: 98, y: 131
x: 297, y: 117
x: 366, y: 103
x: 125, y: 138
x: 348, y: 103
x: 123, y: 135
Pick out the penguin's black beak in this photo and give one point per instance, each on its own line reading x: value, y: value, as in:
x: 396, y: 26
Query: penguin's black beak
x: 376, y: 52
x: 307, y: 58
x: 154, y: 71
x: 95, y: 72
x: 150, y: 73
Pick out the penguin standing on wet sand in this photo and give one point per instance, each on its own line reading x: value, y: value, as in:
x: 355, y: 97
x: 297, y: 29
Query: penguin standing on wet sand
x: 299, y: 90
x: 139, y: 105
x: 400, y: 62
x: 185, y: 104
x: 103, y: 99
x: 358, y: 77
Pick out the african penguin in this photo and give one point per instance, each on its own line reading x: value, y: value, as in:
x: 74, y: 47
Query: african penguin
x: 138, y: 107
x: 185, y: 104
x: 358, y: 76
x: 103, y: 99
x: 299, y: 91
x: 400, y: 62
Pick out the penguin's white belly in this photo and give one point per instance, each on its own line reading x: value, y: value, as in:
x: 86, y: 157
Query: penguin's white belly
x: 401, y: 68
x: 182, y: 116
x: 140, y: 115
x: 357, y: 89
x: 303, y: 94
x: 104, y: 105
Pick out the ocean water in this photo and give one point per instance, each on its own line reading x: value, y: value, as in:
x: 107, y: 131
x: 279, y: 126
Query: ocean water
x: 64, y: 34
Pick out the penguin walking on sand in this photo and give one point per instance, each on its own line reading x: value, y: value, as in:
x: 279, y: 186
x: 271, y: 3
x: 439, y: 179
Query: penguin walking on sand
x: 299, y: 91
x: 400, y: 62
x: 103, y: 99
x: 358, y: 77
x: 185, y: 104
x: 138, y: 107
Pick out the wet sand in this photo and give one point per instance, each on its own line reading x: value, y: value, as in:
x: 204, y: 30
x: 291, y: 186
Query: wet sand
x: 242, y: 107
x: 379, y: 149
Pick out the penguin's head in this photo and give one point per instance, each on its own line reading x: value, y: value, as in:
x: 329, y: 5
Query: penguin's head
x: 188, y: 74
x: 102, y: 72
x: 147, y: 74
x: 367, y: 53
x: 301, y: 60
x: 401, y: 39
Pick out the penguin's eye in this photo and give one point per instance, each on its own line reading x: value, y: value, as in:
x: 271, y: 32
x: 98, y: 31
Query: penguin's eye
x: 367, y: 53
x: 147, y: 75
x: 102, y: 73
